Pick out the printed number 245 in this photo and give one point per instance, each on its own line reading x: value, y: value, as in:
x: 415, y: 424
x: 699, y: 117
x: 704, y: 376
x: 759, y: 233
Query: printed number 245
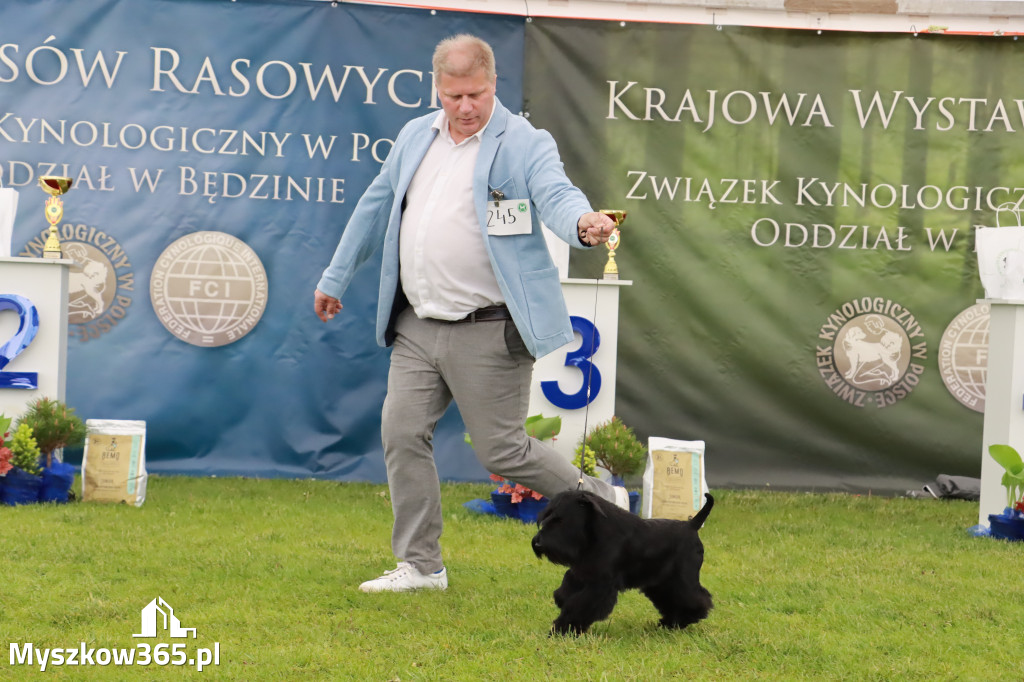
x: 504, y: 216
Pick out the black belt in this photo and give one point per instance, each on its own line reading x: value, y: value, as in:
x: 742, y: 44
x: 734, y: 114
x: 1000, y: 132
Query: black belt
x: 492, y: 312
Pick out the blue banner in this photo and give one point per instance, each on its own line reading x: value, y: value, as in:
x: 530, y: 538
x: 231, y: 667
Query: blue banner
x: 217, y: 149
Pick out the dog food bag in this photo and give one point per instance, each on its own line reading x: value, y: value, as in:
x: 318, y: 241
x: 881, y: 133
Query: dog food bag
x: 674, y: 482
x: 114, y: 463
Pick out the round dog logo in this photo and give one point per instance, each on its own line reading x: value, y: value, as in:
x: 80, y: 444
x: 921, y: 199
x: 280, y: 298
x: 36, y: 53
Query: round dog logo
x: 91, y: 282
x: 101, y: 283
x: 873, y: 354
x: 873, y: 345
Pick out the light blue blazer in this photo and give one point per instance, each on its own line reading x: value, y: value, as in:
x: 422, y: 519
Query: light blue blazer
x: 516, y: 159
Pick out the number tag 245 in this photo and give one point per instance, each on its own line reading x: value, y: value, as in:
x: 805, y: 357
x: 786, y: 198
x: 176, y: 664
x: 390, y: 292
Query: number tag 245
x: 510, y: 216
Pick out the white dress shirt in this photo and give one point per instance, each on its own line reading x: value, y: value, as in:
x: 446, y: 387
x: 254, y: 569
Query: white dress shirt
x: 446, y: 273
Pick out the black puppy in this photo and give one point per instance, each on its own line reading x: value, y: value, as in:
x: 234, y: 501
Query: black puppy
x: 609, y: 550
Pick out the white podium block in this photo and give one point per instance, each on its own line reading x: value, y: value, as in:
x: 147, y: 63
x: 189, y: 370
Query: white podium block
x: 33, y: 354
x: 1004, y: 398
x: 560, y: 378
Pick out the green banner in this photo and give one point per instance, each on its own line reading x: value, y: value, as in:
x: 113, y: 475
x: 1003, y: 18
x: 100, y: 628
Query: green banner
x: 800, y: 235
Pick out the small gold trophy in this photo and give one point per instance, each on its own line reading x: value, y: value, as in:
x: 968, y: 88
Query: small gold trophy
x: 54, y: 185
x: 611, y: 270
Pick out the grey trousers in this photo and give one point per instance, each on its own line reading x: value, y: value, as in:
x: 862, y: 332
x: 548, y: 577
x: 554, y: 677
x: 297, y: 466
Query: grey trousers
x: 486, y: 369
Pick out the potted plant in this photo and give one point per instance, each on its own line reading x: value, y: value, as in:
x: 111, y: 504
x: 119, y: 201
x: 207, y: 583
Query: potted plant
x: 510, y: 499
x: 1010, y: 524
x: 54, y: 426
x: 24, y: 479
x: 617, y: 449
x: 516, y: 501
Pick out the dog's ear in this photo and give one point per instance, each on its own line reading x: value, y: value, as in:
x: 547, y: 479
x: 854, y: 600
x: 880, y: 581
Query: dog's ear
x: 590, y: 500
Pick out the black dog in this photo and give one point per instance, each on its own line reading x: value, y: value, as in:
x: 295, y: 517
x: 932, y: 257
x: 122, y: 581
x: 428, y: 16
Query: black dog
x: 609, y: 550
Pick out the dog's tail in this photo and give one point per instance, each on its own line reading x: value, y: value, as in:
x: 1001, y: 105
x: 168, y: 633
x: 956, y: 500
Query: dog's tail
x: 697, y: 521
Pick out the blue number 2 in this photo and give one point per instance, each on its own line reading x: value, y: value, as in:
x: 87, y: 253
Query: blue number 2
x: 29, y: 325
x: 580, y: 359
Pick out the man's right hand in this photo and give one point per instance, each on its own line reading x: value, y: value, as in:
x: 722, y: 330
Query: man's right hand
x: 326, y: 307
x: 595, y: 228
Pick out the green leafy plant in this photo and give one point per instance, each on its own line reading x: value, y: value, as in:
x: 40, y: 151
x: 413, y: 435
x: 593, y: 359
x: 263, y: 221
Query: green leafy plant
x: 589, y: 460
x: 1013, y: 478
x: 542, y: 428
x: 25, y: 451
x: 54, y: 426
x: 5, y: 452
x: 538, y: 426
x: 616, y: 448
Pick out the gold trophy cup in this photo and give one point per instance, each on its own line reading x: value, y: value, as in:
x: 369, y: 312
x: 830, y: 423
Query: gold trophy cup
x: 611, y: 269
x: 54, y: 185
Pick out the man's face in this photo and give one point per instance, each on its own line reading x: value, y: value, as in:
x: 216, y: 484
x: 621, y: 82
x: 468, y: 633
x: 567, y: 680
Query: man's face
x: 467, y: 102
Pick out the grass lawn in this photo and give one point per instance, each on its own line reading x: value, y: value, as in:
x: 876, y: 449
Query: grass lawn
x: 806, y: 586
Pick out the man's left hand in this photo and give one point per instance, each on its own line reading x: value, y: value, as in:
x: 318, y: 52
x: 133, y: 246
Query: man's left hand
x: 595, y: 228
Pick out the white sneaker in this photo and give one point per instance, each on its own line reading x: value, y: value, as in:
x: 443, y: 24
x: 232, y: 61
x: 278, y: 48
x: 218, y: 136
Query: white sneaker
x: 621, y: 497
x: 406, y: 578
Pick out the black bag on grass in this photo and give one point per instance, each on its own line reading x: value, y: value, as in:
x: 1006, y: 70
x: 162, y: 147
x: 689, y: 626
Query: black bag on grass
x: 950, y: 488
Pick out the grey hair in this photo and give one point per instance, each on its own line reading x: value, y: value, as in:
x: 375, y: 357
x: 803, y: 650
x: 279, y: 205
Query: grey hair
x: 480, y: 54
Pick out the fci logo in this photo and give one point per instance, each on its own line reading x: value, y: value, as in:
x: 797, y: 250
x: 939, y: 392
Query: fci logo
x: 157, y: 613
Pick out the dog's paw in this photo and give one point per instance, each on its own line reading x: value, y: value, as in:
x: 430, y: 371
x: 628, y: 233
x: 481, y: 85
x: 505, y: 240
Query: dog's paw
x: 566, y: 629
x: 680, y: 622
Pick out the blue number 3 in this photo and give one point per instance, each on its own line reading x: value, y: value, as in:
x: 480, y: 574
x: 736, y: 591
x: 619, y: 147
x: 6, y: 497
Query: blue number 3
x: 29, y: 325
x: 580, y: 359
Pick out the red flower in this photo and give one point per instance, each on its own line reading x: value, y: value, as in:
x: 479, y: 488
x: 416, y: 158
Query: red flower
x: 5, y: 460
x: 521, y: 491
x: 518, y: 491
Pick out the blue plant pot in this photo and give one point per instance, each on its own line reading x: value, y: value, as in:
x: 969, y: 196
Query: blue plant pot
x: 20, y: 488
x: 1007, y: 526
x: 503, y: 505
x: 57, y: 481
x: 634, y: 502
x: 530, y: 509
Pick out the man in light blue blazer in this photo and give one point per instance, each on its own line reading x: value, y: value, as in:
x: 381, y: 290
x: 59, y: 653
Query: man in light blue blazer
x: 469, y: 295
